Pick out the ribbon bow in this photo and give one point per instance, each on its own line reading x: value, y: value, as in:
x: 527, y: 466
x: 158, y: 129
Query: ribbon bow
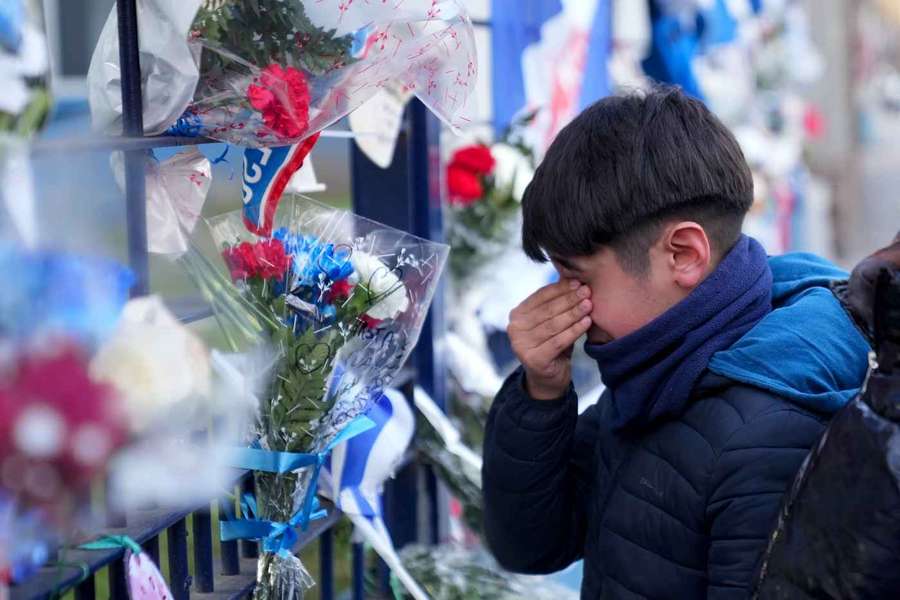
x: 275, y: 537
x: 280, y: 537
x: 110, y: 542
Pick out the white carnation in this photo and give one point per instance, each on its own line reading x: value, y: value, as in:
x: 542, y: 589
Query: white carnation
x: 388, y: 292
x: 153, y: 361
x: 512, y: 170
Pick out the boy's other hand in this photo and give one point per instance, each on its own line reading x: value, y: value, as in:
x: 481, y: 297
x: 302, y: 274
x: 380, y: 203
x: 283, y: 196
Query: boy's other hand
x: 543, y: 330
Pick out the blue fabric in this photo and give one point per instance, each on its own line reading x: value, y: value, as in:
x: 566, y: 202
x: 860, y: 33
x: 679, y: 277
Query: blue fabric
x: 12, y: 18
x: 673, y: 46
x: 596, y: 82
x: 806, y: 350
x: 515, y: 25
x: 651, y: 372
x: 676, y: 39
x: 717, y: 26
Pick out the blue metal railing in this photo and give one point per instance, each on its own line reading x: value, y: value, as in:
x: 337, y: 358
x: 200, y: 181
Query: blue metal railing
x: 406, y: 196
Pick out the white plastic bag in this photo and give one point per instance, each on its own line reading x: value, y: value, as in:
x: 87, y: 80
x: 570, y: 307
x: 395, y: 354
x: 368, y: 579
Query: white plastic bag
x: 169, y: 66
x: 176, y: 189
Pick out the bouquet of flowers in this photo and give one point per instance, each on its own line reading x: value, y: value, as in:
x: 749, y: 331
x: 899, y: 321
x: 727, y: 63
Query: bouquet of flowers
x: 342, y: 299
x: 58, y: 424
x: 443, y: 446
x: 89, y: 385
x: 275, y: 72
x: 485, y: 186
x: 448, y: 572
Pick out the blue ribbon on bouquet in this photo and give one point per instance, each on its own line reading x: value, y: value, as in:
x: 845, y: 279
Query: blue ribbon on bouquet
x: 276, y: 536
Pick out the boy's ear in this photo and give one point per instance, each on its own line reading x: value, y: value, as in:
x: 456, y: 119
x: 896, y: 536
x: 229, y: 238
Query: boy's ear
x: 688, y: 253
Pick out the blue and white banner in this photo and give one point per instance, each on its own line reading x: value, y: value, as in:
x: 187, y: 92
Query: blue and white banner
x: 354, y: 477
x: 550, y: 56
x: 267, y: 172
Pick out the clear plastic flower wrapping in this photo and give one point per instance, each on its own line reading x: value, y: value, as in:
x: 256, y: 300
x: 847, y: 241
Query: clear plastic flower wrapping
x: 342, y: 300
x: 274, y: 72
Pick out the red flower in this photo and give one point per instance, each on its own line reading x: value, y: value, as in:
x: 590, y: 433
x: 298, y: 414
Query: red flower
x: 241, y: 261
x: 272, y: 261
x: 368, y: 322
x: 466, y: 172
x: 266, y: 259
x: 58, y: 427
x: 464, y: 186
x: 282, y: 96
x: 476, y: 158
x: 340, y: 290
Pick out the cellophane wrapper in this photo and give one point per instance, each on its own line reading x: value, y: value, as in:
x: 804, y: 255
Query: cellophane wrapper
x: 450, y: 572
x: 274, y: 72
x: 342, y: 299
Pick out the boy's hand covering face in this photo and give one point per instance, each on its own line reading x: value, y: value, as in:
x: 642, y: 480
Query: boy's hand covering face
x: 543, y: 330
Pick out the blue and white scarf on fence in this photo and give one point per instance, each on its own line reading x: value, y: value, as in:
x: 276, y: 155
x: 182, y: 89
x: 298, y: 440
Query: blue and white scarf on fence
x: 355, y: 474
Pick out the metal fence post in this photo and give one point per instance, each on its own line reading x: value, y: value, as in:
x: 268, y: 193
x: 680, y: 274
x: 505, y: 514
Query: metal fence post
x: 133, y: 125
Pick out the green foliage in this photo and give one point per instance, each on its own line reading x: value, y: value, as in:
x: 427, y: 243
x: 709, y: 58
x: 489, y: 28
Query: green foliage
x: 263, y: 32
x: 447, y: 574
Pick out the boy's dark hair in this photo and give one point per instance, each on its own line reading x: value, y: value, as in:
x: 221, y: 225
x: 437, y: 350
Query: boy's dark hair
x: 627, y: 165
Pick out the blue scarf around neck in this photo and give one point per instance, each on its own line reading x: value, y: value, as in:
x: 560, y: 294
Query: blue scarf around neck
x: 651, y: 372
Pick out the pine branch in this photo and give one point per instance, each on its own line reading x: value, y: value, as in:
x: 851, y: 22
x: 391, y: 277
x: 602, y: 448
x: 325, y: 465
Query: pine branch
x: 265, y: 32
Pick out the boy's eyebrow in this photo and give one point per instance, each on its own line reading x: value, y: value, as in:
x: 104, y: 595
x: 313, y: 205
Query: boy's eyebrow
x: 566, y: 264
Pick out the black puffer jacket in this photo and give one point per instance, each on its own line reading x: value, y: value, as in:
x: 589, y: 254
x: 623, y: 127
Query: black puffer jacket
x: 680, y: 511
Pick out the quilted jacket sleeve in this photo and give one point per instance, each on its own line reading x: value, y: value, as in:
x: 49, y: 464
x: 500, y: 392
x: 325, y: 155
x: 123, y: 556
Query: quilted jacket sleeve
x: 536, y: 479
x: 753, y: 471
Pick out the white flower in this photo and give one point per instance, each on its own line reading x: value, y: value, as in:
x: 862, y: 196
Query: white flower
x: 153, y: 361
x: 389, y: 297
x: 512, y: 171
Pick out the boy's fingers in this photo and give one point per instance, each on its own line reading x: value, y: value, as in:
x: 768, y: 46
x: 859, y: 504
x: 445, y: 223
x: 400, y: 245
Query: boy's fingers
x: 552, y: 348
x: 549, y: 292
x: 558, y: 305
x: 561, y: 304
x: 562, y: 321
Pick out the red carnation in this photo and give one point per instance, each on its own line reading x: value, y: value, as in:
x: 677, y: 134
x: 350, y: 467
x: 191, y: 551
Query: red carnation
x: 271, y: 259
x: 241, y: 261
x: 282, y: 96
x: 476, y: 158
x: 464, y: 186
x: 339, y: 290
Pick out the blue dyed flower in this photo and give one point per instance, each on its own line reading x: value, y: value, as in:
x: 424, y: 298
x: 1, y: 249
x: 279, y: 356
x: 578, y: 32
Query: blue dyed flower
x: 315, y: 264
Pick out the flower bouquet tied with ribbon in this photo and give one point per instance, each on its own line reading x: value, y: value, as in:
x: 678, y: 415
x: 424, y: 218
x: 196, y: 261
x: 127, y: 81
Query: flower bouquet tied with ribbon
x: 342, y: 300
x: 275, y: 72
